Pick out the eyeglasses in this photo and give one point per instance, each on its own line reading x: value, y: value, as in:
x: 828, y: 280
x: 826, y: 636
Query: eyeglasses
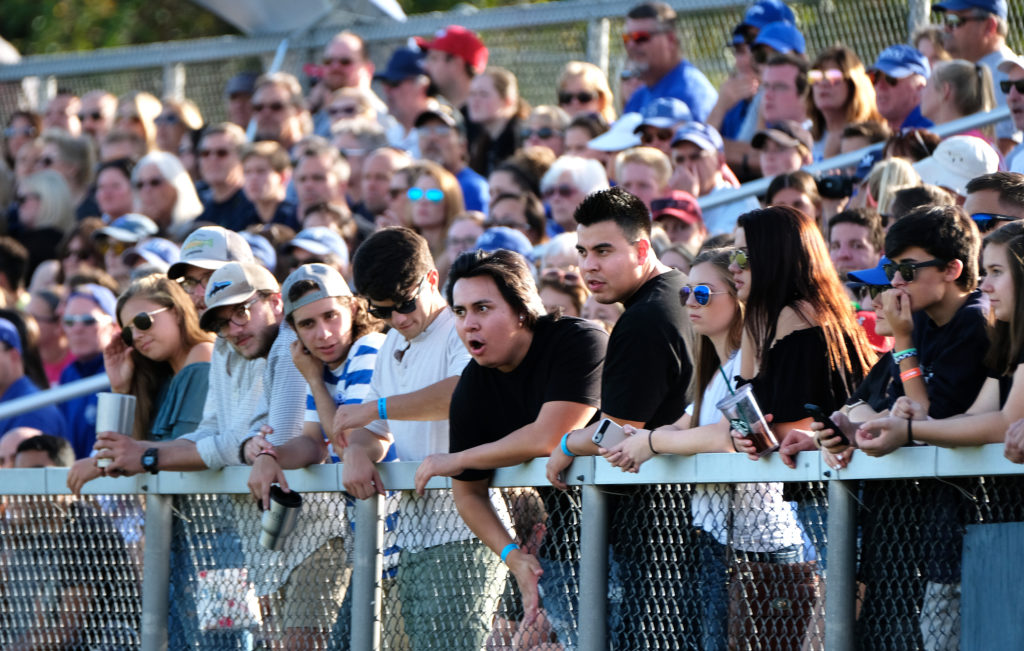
x: 954, y: 21
x: 95, y: 115
x: 433, y: 194
x: 740, y: 258
x: 341, y: 61
x: 467, y: 241
x: 13, y: 132
x: 346, y: 111
x: 583, y: 97
x: 240, y: 316
x: 877, y: 76
x: 167, y: 119
x: 436, y: 130
x: 219, y: 153
x: 543, y: 133
x: 1005, y: 85
x: 70, y: 320
x: 701, y: 293
x: 562, y: 276
x: 154, y: 182
x: 405, y: 307
x: 117, y: 246
x: 564, y: 191
x: 273, y: 106
x: 662, y: 135
x: 142, y: 321
x: 908, y: 269
x: 640, y: 37
x: 189, y: 284
x: 349, y: 152
x: 831, y: 75
x: 986, y: 221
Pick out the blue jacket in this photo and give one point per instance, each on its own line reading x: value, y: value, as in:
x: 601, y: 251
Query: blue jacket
x: 46, y: 419
x: 80, y: 413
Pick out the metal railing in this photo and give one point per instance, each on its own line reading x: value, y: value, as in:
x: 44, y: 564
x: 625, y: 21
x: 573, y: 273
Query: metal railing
x: 593, y: 475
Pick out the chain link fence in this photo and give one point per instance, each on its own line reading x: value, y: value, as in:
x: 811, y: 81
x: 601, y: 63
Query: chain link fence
x: 534, y: 41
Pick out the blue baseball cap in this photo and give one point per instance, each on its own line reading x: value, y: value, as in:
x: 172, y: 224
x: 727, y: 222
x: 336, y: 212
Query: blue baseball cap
x: 405, y: 63
x: 901, y: 61
x: 760, y: 14
x: 320, y: 240
x: 703, y: 135
x: 9, y: 334
x: 503, y: 237
x: 156, y: 251
x: 99, y: 295
x: 132, y: 227
x: 997, y: 7
x: 664, y: 113
x: 262, y: 249
x: 782, y: 37
x: 873, y: 276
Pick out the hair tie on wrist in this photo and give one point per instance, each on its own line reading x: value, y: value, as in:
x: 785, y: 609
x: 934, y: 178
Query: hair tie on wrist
x: 650, y: 442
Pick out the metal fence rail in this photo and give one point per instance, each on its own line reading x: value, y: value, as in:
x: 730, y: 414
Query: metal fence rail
x: 208, y: 543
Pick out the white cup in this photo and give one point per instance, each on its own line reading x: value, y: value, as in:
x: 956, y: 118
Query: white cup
x: 115, y: 412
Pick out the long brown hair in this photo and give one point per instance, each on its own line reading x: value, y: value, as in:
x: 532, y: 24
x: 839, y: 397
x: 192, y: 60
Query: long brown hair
x: 149, y: 375
x: 860, y: 97
x: 790, y: 267
x: 1006, y: 338
x: 705, y: 357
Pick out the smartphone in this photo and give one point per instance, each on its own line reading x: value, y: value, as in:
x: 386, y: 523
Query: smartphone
x: 608, y: 434
x: 819, y: 416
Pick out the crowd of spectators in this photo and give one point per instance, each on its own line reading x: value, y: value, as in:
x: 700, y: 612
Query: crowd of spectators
x: 444, y: 274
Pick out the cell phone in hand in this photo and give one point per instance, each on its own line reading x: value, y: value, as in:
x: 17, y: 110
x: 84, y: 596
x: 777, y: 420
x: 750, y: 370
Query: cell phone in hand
x: 819, y: 416
x: 608, y: 434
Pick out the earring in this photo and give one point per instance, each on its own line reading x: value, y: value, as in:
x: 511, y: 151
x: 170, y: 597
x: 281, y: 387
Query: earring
x: 521, y: 318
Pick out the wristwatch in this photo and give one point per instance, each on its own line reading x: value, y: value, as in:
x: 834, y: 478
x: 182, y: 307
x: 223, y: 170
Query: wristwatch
x: 149, y: 460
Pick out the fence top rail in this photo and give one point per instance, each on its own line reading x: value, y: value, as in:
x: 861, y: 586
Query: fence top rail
x: 906, y: 463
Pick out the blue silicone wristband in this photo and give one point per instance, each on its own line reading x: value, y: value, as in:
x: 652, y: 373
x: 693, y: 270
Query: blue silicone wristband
x: 382, y: 408
x: 565, y: 448
x: 507, y: 550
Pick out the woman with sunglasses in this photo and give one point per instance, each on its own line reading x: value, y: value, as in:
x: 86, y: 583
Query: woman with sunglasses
x: 22, y: 128
x: 841, y: 94
x: 956, y: 89
x: 162, y: 357
x: 136, y: 113
x: 763, y: 524
x: 566, y: 183
x: 436, y: 199
x: 546, y: 128
x: 164, y: 192
x: 176, y: 118
x: 583, y: 88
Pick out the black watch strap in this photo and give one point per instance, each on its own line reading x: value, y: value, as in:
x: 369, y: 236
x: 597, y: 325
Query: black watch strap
x: 149, y: 460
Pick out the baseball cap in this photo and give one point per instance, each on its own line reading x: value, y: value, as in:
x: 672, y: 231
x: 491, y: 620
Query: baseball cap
x: 405, y: 63
x: 956, y: 161
x: 242, y: 83
x: 156, y: 251
x: 621, y: 135
x: 1009, y: 63
x: 129, y: 228
x: 503, y: 237
x: 873, y: 276
x: 664, y: 113
x: 678, y: 204
x: 787, y: 133
x: 782, y: 37
x: 210, y: 247
x: 458, y: 41
x: 320, y: 240
x: 262, y: 249
x: 760, y: 14
x: 704, y: 136
x: 9, y: 334
x: 234, y: 283
x: 328, y: 281
x: 901, y: 61
x: 99, y: 295
x: 997, y: 7
x: 443, y: 113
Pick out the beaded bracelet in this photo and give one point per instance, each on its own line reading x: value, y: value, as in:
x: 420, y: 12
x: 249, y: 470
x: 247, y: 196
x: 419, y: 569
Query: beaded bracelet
x: 904, y: 354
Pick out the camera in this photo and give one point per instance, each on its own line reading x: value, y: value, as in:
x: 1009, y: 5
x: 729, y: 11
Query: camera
x: 839, y: 186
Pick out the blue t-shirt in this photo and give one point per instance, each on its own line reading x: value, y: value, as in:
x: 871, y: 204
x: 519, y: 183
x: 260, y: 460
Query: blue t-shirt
x: 684, y: 82
x: 732, y: 122
x: 234, y: 213
x: 46, y: 419
x: 475, y: 191
x: 80, y: 413
x: 917, y: 121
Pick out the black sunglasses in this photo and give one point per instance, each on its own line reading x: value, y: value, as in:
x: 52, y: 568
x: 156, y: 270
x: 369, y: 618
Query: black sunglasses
x: 908, y: 269
x: 142, y: 321
x: 543, y: 133
x: 877, y: 75
x: 582, y: 97
x: 1005, y: 85
x: 405, y: 307
x: 987, y: 221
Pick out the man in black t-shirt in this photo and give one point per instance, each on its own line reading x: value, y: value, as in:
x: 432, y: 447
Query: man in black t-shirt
x: 646, y: 376
x: 531, y: 378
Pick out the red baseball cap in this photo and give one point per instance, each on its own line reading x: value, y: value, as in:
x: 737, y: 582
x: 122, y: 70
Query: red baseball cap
x: 458, y: 41
x: 678, y: 204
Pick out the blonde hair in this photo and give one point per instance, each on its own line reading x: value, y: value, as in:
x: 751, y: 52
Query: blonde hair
x: 592, y: 77
x: 453, y: 202
x: 55, y: 208
x: 186, y: 110
x: 147, y: 108
x: 973, y: 91
x: 553, y: 115
x: 888, y: 177
x: 649, y: 156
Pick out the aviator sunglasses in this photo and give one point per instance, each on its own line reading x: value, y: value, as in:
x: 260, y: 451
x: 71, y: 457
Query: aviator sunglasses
x: 142, y: 321
x: 701, y: 293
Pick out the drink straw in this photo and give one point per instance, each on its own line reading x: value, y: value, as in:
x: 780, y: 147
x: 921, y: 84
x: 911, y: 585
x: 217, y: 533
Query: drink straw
x: 725, y: 377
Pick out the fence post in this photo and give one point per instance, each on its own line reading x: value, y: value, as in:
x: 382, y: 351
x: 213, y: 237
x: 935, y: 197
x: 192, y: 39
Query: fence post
x: 593, y: 583
x: 918, y: 13
x: 174, y: 80
x: 156, y: 563
x: 597, y: 43
x: 841, y: 580
x: 366, y: 569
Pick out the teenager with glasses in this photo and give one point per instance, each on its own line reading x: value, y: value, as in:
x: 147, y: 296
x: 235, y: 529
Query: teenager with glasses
x: 545, y: 127
x: 583, y: 88
x: 436, y: 199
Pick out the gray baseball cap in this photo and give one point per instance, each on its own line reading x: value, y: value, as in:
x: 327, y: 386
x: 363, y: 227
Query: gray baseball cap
x: 328, y: 281
x: 233, y: 284
x: 210, y: 247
